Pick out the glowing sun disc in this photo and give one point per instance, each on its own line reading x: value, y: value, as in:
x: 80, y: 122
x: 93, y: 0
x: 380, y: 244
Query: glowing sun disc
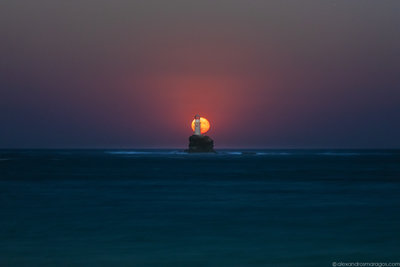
x: 204, y: 125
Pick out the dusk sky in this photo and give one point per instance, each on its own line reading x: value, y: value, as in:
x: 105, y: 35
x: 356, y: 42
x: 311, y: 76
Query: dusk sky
x: 266, y: 74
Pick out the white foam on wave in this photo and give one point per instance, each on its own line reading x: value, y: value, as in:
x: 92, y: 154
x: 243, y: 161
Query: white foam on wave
x: 233, y: 153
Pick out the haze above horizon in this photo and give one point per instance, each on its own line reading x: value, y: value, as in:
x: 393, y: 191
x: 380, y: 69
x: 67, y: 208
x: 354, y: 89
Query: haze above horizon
x: 106, y: 74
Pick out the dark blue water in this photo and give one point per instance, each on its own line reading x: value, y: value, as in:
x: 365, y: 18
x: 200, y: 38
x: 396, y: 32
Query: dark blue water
x: 167, y: 208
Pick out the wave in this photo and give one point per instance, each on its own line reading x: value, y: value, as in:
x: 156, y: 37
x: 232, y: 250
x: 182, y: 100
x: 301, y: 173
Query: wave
x: 146, y: 152
x: 218, y: 153
x: 237, y: 153
x: 348, y: 154
x: 274, y: 153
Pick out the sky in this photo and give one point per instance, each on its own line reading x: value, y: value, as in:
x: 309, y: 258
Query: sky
x: 266, y: 74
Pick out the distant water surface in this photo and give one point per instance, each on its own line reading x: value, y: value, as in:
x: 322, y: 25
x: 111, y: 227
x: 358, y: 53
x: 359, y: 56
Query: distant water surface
x: 169, y: 208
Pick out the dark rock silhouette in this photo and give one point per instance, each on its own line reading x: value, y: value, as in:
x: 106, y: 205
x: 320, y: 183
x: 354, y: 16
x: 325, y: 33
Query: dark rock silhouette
x: 200, y: 144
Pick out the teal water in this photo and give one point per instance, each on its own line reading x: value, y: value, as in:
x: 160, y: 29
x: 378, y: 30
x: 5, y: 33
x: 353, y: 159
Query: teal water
x: 168, y: 208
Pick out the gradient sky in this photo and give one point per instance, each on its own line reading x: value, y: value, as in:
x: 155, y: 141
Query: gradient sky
x: 132, y: 74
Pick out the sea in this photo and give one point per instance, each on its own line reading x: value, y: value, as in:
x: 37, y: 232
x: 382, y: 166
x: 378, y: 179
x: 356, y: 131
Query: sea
x: 168, y: 208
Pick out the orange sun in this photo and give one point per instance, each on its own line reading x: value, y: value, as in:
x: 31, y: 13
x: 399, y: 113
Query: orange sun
x: 204, y: 125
